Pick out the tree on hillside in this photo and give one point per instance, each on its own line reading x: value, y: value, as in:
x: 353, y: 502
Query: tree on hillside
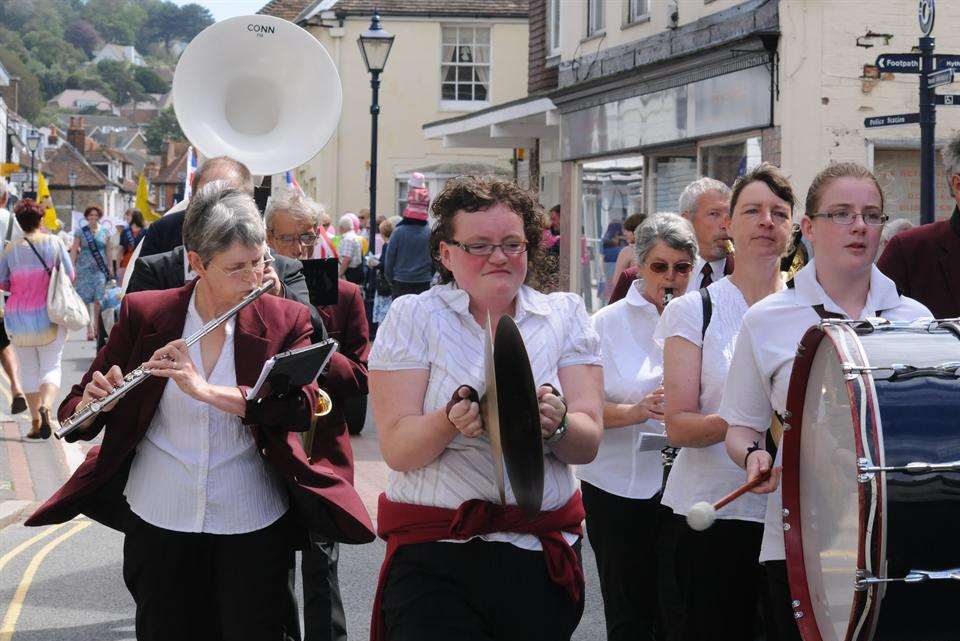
x: 81, y: 34
x: 117, y: 21
x: 28, y: 91
x: 150, y: 80
x: 166, y: 22
x: 49, y: 50
x: 163, y: 126
x: 117, y: 76
x: 193, y: 19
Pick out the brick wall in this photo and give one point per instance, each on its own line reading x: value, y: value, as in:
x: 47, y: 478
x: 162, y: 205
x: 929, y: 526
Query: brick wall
x: 539, y: 77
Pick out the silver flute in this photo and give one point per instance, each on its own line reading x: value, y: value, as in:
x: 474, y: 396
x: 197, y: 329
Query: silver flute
x: 139, y: 375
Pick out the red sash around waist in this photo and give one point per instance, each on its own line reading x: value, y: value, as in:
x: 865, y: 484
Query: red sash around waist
x: 404, y: 524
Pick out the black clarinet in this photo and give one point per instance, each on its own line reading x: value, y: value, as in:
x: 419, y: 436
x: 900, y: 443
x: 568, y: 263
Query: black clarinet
x: 668, y: 454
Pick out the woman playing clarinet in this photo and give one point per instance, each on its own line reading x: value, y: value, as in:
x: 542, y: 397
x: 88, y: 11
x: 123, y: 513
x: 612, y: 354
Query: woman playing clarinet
x: 459, y: 565
x: 844, y: 222
x: 621, y: 487
x: 203, y: 482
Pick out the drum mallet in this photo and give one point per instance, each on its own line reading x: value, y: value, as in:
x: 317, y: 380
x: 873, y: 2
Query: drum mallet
x: 703, y: 514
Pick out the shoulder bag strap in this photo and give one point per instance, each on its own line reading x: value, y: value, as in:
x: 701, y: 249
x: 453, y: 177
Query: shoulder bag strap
x: 91, y: 243
x: 707, y: 311
x: 42, y: 261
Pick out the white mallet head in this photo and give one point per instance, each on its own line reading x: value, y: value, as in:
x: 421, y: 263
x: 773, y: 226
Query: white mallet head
x: 701, y: 516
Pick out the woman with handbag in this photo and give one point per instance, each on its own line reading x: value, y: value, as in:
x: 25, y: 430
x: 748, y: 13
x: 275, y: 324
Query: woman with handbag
x: 25, y: 268
x: 89, y: 252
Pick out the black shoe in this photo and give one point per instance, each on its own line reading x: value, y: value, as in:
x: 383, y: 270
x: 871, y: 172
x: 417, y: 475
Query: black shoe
x: 19, y: 404
x: 45, y: 430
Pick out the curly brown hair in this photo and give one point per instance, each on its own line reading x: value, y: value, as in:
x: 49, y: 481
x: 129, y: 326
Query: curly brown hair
x: 478, y: 193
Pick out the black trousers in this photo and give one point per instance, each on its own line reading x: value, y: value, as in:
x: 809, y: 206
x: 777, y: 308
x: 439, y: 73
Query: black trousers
x: 623, y: 533
x: 208, y: 587
x: 781, y: 625
x: 718, y: 575
x: 475, y: 591
x: 323, y: 616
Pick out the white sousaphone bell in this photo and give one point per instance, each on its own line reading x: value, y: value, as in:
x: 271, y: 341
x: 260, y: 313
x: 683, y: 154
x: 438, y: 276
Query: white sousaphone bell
x: 262, y: 91
x: 258, y: 89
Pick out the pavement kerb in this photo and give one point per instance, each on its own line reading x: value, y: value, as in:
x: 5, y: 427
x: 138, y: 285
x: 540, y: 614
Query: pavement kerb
x: 11, y: 511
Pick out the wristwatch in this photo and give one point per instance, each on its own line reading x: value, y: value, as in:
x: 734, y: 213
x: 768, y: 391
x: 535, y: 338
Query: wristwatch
x: 558, y: 433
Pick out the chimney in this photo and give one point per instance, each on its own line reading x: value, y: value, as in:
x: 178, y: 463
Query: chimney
x: 52, y: 139
x: 76, y: 136
x: 168, y: 153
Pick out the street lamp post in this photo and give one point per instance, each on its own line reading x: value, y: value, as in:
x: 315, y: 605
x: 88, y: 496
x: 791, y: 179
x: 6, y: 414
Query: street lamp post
x: 33, y: 142
x: 375, y: 44
x: 72, y: 179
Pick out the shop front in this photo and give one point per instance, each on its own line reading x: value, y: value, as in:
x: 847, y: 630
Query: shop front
x: 633, y: 148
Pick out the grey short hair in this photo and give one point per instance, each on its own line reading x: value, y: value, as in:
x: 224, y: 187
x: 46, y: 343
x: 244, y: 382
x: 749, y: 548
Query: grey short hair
x: 951, y: 159
x: 894, y: 227
x: 218, y: 216
x: 692, y: 192
x: 673, y: 230
x: 296, y: 204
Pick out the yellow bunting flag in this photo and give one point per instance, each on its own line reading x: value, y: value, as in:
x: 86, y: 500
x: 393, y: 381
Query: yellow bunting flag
x: 50, y: 220
x: 143, y: 201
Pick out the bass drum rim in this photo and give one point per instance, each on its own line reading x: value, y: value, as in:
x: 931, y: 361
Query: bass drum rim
x: 864, y: 602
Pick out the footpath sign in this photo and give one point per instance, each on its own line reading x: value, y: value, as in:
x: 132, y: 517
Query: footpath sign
x: 933, y: 71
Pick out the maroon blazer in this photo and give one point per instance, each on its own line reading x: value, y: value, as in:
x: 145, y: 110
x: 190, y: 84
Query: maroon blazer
x: 629, y: 275
x: 345, y: 378
x: 924, y: 262
x: 323, y: 501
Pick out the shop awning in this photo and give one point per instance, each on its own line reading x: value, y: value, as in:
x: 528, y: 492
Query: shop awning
x: 510, y: 125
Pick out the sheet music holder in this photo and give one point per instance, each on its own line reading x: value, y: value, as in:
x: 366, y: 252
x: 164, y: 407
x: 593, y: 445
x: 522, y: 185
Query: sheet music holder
x: 293, y: 368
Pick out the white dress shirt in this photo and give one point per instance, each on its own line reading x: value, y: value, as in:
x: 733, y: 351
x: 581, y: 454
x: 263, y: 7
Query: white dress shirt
x: 707, y: 473
x: 197, y: 469
x: 435, y: 331
x: 632, y: 368
x: 718, y: 266
x: 763, y: 360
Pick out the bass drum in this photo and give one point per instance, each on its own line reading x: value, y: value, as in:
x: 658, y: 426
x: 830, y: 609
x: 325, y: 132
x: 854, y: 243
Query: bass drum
x: 873, y: 553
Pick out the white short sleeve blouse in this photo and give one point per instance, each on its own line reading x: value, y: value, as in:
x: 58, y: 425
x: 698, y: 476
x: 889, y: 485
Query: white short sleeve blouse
x: 436, y: 332
x: 707, y: 473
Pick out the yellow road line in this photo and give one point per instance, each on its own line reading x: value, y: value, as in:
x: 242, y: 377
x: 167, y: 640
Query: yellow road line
x: 16, y: 605
x: 6, y: 558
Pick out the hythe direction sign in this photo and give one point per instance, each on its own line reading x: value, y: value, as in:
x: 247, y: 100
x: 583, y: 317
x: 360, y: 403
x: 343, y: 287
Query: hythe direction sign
x: 887, y: 121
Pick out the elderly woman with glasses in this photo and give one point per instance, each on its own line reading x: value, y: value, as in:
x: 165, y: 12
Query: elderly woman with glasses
x: 457, y: 560
x: 621, y: 487
x: 212, y: 490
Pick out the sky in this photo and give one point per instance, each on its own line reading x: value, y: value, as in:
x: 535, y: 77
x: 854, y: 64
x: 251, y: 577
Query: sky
x: 223, y: 9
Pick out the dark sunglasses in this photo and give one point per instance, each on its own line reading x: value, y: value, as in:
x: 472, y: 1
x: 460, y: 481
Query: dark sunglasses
x: 660, y: 267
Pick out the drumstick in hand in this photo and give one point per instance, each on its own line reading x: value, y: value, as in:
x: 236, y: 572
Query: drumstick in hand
x: 703, y: 514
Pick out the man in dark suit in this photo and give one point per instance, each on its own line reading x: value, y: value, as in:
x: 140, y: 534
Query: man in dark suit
x: 162, y: 262
x: 924, y: 261
x: 706, y: 204
x: 167, y: 233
